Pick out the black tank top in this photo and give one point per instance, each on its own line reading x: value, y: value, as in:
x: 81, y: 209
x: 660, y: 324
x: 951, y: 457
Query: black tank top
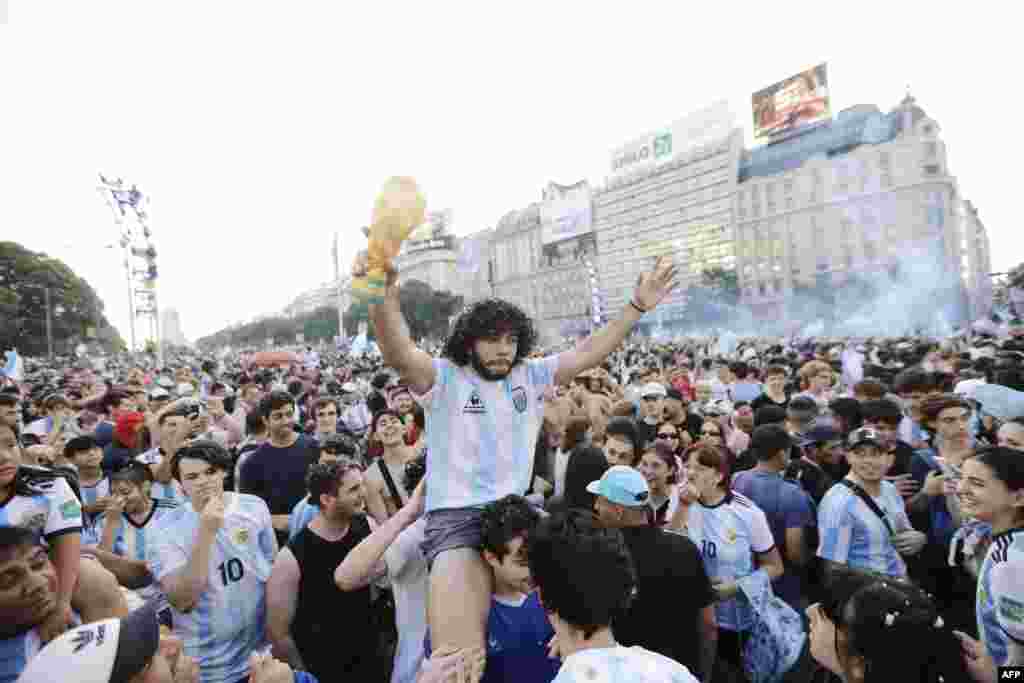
x: 329, y: 627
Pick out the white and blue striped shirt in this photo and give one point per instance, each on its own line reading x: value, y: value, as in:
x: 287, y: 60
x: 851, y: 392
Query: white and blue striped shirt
x: 728, y: 536
x: 481, y: 435
x: 851, y: 534
x: 1000, y: 603
x: 169, y: 491
x: 228, y: 623
x: 132, y: 540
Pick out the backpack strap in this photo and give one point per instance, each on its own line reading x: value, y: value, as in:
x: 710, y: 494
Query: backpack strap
x: 396, y: 498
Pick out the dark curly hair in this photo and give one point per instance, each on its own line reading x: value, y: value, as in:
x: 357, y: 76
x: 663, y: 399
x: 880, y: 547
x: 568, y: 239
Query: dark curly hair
x: 504, y: 520
x: 485, y: 318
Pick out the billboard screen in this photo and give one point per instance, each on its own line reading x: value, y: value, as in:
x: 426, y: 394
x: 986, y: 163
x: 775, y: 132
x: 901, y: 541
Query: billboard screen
x: 788, y: 105
x: 704, y: 125
x: 565, y: 213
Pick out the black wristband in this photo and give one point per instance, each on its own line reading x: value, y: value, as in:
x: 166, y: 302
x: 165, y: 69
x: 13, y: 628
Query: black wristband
x: 637, y: 307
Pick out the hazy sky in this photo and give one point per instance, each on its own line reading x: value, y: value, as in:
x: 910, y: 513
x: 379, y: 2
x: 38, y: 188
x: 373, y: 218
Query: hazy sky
x: 259, y: 129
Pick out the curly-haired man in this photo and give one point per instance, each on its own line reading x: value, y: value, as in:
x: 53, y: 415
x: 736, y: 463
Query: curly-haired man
x: 483, y: 401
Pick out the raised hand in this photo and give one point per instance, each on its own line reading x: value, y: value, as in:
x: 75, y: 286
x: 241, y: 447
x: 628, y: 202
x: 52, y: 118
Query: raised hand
x: 212, y: 517
x: 654, y: 286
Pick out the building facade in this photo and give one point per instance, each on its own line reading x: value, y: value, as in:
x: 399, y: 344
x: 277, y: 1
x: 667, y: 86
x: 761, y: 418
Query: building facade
x: 681, y: 208
x: 856, y: 198
x: 976, y: 259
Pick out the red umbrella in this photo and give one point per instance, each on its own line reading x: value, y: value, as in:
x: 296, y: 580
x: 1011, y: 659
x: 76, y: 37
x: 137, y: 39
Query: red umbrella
x: 265, y: 358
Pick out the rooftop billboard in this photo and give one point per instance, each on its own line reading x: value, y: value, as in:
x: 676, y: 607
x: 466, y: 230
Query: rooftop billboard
x: 791, y: 104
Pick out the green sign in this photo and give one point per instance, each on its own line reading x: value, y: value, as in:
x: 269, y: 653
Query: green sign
x: 663, y: 145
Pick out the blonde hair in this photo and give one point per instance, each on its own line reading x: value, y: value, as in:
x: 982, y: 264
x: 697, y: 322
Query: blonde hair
x: 811, y: 369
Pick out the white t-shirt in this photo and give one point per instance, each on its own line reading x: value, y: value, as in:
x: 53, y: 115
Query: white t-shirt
x: 407, y: 571
x: 481, y: 435
x: 621, y: 665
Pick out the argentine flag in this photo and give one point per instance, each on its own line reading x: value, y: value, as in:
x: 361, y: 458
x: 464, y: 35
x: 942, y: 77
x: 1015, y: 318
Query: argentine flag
x: 14, y: 369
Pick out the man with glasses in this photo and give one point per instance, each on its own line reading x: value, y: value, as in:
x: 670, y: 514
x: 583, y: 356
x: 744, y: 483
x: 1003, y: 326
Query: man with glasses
x: 671, y: 436
x: 862, y: 521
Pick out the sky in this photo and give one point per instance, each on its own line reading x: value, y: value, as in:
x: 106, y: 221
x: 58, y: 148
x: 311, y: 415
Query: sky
x: 260, y: 129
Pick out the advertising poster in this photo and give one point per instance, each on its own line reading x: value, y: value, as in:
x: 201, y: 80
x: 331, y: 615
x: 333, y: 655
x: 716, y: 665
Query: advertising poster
x: 791, y: 104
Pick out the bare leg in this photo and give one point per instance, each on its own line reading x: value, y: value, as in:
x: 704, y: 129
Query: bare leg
x: 461, y: 584
x: 97, y: 595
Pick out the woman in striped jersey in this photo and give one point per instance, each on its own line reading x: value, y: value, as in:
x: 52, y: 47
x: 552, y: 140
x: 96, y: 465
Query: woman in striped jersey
x: 734, y: 539
x: 992, y: 491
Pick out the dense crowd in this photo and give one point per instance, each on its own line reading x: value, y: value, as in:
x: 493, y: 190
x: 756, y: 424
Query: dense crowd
x: 616, y: 510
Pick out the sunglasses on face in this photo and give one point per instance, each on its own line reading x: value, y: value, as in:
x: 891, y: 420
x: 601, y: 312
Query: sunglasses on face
x: 668, y: 435
x: 710, y: 433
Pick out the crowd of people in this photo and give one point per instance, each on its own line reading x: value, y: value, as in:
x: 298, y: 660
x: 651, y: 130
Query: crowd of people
x: 614, y: 510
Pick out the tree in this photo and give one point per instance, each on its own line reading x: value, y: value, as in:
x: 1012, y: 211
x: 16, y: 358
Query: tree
x: 426, y: 311
x: 74, y: 306
x: 357, y: 313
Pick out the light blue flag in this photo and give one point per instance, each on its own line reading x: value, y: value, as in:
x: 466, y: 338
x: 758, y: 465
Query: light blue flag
x: 1002, y: 403
x: 14, y: 369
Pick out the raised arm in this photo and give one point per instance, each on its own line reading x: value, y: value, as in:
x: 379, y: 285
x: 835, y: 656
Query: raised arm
x: 650, y: 290
x: 393, y: 338
x: 365, y: 564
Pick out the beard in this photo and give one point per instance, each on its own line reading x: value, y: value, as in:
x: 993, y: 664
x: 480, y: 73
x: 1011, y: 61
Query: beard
x: 485, y: 372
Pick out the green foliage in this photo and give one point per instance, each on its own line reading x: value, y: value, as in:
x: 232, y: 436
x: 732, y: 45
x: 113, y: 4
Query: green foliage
x: 150, y: 346
x: 426, y: 310
x: 357, y: 312
x: 24, y: 277
x: 320, y: 325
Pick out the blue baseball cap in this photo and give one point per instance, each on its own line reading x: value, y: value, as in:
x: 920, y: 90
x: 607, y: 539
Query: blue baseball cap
x: 623, y: 486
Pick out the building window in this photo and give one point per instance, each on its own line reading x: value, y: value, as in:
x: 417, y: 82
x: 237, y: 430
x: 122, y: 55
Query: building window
x: 931, y: 148
x: 870, y: 251
x: 761, y: 289
x: 931, y: 169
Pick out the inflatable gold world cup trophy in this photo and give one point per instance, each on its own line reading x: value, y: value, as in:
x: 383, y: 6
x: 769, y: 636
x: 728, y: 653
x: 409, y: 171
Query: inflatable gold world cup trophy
x: 400, y: 208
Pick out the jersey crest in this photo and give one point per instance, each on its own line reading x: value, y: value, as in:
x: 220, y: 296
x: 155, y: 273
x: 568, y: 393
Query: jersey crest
x: 519, y: 399
x: 475, y: 405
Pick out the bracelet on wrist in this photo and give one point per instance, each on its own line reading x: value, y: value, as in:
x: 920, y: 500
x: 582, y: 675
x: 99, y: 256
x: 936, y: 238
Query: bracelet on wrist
x: 635, y: 305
